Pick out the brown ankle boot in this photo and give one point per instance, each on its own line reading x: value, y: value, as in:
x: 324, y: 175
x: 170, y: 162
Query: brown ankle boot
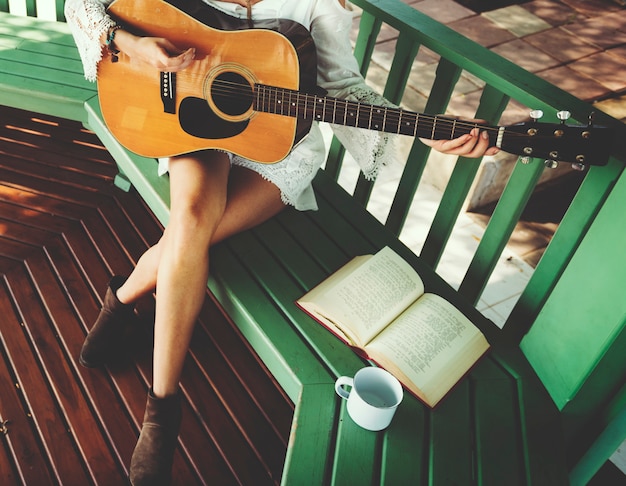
x: 152, y: 459
x: 100, y: 344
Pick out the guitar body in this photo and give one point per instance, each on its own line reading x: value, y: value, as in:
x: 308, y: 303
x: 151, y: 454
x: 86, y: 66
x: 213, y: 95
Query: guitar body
x: 158, y: 114
x: 251, y: 90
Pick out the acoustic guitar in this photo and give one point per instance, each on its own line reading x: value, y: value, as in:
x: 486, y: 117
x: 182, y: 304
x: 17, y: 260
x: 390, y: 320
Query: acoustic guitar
x: 251, y: 90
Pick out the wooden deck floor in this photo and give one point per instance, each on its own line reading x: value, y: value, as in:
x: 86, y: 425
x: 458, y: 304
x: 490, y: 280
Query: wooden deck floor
x: 64, y: 230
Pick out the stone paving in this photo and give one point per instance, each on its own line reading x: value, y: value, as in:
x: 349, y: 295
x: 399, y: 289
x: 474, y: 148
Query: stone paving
x: 577, y: 45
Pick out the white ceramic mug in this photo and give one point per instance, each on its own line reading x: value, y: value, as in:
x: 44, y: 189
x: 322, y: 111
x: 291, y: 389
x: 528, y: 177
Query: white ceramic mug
x: 373, y: 398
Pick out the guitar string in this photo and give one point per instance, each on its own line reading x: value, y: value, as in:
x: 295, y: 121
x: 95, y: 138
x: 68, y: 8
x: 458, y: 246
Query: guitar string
x: 306, y: 103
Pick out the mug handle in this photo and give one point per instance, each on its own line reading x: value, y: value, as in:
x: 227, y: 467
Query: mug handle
x: 340, y: 383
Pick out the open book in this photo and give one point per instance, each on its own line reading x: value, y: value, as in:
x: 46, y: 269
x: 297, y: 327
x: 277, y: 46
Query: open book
x: 377, y: 305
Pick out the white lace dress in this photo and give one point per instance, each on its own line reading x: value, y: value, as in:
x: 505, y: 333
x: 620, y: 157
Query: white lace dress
x: 338, y: 73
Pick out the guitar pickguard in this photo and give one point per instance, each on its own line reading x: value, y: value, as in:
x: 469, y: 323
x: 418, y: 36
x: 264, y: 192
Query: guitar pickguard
x: 198, y: 119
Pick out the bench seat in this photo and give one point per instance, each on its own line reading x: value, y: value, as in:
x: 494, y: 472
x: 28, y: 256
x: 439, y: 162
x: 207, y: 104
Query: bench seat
x: 40, y: 70
x: 498, y: 426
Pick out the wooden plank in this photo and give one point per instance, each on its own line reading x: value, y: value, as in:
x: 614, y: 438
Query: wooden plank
x: 451, y: 439
x: 500, y: 454
x: 31, y: 371
x: 574, y: 355
x: 279, y: 286
x: 20, y: 440
x: 38, y: 58
x: 32, y: 28
x: 264, y: 326
x: 404, y: 445
x: 68, y: 282
x: 228, y: 341
x: 249, y: 423
x: 356, y: 452
x: 84, y: 427
x: 307, y: 460
x: 540, y: 424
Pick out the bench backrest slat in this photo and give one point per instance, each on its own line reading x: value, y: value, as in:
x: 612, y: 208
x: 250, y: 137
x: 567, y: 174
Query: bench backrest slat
x: 502, y: 81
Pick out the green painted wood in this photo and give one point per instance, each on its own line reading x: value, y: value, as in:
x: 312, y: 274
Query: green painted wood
x: 406, y: 50
x: 35, y: 29
x: 579, y: 355
x: 575, y: 224
x: 564, y: 350
x: 31, y: 8
x: 280, y: 288
x: 369, y: 27
x: 496, y: 425
x: 450, y: 429
x: 507, y: 212
x: 40, y: 71
x: 447, y: 76
x: 278, y: 345
x: 60, y: 6
x: 355, y: 450
x: 404, y: 445
x: 307, y: 460
x: 334, y: 159
x: 491, y: 107
x: 541, y: 431
x: 610, y: 439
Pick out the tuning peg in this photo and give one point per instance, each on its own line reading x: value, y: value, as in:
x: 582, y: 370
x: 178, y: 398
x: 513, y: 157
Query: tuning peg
x: 563, y: 115
x: 551, y: 164
x: 536, y: 114
x: 578, y: 166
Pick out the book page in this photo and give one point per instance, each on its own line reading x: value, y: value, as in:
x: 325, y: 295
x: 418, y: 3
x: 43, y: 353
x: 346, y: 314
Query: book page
x: 370, y: 296
x: 431, y: 343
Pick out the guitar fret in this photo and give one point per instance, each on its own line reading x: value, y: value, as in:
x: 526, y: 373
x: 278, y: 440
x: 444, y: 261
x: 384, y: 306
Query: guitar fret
x: 319, y: 115
x: 306, y: 103
x: 293, y: 103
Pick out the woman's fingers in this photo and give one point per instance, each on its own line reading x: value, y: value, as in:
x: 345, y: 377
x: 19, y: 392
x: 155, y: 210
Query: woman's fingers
x: 474, y: 144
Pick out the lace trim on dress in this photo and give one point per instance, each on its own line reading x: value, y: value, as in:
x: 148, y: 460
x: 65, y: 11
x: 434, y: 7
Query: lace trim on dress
x: 88, y: 21
x: 371, y: 149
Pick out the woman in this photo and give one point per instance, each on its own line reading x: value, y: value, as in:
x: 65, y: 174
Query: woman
x: 215, y: 195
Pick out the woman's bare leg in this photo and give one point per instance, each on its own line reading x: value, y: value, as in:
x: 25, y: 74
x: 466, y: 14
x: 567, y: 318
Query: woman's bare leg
x: 251, y: 201
x: 198, y: 193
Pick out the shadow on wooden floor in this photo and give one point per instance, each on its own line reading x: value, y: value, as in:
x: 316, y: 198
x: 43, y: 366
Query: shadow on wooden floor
x: 64, y: 231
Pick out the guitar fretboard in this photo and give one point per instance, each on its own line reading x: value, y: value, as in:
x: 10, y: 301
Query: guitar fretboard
x: 286, y: 102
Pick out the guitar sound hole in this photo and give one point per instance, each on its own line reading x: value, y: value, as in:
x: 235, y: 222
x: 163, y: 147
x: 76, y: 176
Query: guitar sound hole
x: 231, y: 94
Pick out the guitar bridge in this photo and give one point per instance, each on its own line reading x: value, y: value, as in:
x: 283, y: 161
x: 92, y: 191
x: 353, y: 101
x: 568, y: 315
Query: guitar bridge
x: 168, y: 92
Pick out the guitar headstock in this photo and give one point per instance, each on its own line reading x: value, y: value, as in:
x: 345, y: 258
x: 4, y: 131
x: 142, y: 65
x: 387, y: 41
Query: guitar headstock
x: 580, y: 145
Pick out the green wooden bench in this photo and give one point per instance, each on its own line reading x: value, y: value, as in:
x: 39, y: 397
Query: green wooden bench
x: 514, y: 419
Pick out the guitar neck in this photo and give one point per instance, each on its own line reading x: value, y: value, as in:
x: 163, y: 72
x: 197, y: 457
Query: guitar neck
x: 292, y: 103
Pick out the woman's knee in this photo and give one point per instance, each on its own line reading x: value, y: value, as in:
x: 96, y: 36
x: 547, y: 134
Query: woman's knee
x: 198, y: 189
